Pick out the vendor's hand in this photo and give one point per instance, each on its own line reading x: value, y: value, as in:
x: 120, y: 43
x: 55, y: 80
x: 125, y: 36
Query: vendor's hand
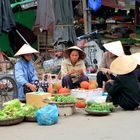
x: 109, y: 71
x: 80, y: 71
x: 109, y: 81
x: 32, y: 87
x: 71, y: 72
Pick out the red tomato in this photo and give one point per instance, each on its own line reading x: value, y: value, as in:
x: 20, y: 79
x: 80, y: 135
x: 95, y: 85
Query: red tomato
x: 80, y: 104
x: 63, y: 90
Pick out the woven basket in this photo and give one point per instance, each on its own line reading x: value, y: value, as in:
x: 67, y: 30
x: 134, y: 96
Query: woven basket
x: 30, y: 119
x: 14, y: 121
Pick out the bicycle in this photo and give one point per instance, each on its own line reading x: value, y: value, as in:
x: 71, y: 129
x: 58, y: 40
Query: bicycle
x: 93, y: 48
x: 8, y: 87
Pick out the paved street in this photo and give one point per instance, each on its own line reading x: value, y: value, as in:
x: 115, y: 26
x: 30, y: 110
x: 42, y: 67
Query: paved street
x: 120, y: 125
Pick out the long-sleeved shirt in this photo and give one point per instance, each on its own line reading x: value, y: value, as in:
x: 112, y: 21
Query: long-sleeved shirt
x: 24, y: 73
x: 67, y: 66
x: 105, y: 63
x: 125, y: 91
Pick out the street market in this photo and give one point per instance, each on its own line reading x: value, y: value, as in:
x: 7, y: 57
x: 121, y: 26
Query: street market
x: 70, y: 65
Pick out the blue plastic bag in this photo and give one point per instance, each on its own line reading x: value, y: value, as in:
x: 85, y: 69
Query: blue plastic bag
x: 47, y: 115
x: 94, y: 4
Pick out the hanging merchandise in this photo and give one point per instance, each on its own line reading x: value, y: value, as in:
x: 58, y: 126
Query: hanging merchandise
x: 6, y: 16
x: 94, y: 4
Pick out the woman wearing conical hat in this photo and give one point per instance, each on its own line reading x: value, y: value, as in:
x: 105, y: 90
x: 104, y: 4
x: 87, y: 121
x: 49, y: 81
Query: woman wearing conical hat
x: 114, y: 49
x: 124, y: 90
x: 25, y: 72
x: 73, y: 68
x: 136, y: 56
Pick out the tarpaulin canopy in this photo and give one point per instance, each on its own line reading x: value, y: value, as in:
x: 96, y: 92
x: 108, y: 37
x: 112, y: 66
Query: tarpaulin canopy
x: 58, y: 13
x: 6, y: 16
x: 23, y: 27
x: 63, y: 11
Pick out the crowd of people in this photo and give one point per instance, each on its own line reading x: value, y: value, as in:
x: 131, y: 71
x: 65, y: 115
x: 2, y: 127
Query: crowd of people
x: 119, y: 73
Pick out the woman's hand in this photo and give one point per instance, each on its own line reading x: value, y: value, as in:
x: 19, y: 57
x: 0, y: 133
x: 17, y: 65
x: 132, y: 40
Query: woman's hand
x: 109, y: 71
x: 32, y: 87
x: 73, y: 71
x: 80, y: 71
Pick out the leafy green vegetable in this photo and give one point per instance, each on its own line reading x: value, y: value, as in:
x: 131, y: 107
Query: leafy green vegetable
x: 64, y: 99
x: 14, y: 108
x: 100, y: 107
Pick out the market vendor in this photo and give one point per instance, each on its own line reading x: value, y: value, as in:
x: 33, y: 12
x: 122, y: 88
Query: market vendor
x: 124, y: 91
x: 73, y: 68
x: 136, y: 56
x: 114, y: 49
x: 25, y: 73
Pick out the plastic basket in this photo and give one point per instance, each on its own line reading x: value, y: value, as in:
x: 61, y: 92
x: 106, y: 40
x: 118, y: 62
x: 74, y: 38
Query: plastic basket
x: 87, y: 94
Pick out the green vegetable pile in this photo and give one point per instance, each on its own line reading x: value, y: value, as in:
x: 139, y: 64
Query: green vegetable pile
x: 14, y: 109
x: 64, y: 99
x: 100, y: 107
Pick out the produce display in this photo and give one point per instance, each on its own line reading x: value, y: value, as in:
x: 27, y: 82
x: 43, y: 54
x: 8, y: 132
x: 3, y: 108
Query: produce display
x: 88, y: 85
x: 57, y: 88
x: 64, y: 99
x: 14, y: 109
x: 100, y: 107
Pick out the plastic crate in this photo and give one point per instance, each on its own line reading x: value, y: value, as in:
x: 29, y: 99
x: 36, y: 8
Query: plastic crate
x: 51, y: 78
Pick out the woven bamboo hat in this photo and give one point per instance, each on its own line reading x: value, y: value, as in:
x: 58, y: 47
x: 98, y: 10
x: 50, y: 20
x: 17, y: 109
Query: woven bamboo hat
x: 115, y: 47
x: 26, y: 49
x: 123, y: 64
x: 136, y: 56
x: 82, y: 54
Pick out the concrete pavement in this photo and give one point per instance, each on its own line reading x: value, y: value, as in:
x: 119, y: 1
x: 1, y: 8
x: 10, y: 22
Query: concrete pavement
x: 119, y: 125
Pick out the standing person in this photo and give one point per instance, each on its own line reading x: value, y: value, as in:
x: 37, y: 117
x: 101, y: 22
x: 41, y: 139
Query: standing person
x: 53, y: 65
x: 59, y: 57
x: 73, y: 68
x: 124, y: 90
x: 114, y: 49
x: 25, y: 72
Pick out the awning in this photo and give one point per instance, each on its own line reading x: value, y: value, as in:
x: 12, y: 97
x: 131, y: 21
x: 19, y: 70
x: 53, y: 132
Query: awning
x: 120, y: 4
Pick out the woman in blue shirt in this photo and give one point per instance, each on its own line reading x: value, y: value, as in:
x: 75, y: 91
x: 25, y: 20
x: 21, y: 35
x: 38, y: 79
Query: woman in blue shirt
x: 25, y: 73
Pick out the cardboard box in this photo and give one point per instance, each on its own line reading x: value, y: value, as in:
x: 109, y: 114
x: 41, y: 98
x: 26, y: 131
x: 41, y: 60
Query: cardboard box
x: 36, y: 99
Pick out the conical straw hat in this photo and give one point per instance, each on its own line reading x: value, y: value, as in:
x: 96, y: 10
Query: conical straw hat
x: 82, y: 54
x: 26, y: 49
x: 123, y: 64
x: 136, y: 56
x: 115, y: 47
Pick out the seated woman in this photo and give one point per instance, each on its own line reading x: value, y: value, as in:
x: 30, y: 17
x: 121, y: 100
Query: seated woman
x: 124, y: 89
x: 73, y: 68
x: 136, y: 56
x: 25, y: 73
x: 114, y: 49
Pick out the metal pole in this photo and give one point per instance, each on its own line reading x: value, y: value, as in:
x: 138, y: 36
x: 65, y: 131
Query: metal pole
x: 22, y: 37
x: 85, y: 16
x: 89, y: 20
